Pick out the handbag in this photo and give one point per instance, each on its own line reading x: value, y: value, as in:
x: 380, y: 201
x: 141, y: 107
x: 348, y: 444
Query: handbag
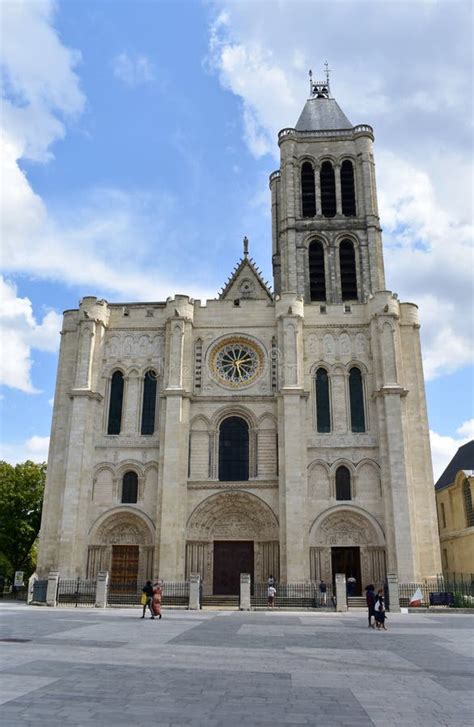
x: 144, y: 599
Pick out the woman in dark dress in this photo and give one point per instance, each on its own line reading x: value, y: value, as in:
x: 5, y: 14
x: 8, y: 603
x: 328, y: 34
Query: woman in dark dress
x: 370, y: 598
x: 380, y: 610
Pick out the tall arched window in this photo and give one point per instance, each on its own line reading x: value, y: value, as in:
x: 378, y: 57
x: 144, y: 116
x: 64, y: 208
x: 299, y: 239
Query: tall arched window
x: 348, y: 270
x: 308, y: 194
x: 149, y: 403
x: 233, y: 450
x: 466, y: 491
x: 130, y: 487
x: 317, y: 279
x: 343, y: 484
x: 116, y: 401
x: 356, y: 397
x: 328, y: 190
x: 323, y: 414
x: 347, y: 189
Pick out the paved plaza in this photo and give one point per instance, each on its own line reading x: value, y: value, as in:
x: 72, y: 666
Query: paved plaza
x: 81, y: 666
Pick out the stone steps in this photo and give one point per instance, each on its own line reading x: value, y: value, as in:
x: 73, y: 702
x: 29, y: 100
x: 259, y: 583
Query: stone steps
x: 356, y: 602
x: 221, y: 601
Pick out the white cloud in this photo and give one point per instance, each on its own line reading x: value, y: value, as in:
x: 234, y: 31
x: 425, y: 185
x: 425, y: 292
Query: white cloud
x: 35, y: 448
x: 21, y: 333
x: 133, y: 69
x: 422, y: 119
x: 444, y: 448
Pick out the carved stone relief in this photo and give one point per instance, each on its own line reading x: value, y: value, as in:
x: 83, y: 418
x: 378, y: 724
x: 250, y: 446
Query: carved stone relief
x: 123, y: 346
x: 345, y: 528
x: 344, y: 345
x: 123, y: 529
x: 233, y: 516
x: 329, y: 348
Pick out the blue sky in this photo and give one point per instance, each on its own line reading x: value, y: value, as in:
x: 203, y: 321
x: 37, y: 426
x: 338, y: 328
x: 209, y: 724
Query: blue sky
x: 137, y: 139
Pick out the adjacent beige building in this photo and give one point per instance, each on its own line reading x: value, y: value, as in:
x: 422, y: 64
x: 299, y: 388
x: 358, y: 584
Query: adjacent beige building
x: 454, y: 498
x: 279, y: 433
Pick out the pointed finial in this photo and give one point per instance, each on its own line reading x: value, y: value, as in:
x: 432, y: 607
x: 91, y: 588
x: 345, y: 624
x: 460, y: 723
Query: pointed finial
x: 246, y: 246
x: 310, y: 74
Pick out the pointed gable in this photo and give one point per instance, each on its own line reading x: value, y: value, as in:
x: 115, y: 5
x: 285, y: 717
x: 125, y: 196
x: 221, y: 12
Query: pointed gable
x: 246, y: 282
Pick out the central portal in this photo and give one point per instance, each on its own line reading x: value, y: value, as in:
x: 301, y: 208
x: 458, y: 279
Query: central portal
x: 347, y: 560
x: 231, y: 558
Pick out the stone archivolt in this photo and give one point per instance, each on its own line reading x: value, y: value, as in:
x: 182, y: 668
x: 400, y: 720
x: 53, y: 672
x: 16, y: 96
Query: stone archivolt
x: 123, y: 529
x: 345, y: 528
x: 232, y: 516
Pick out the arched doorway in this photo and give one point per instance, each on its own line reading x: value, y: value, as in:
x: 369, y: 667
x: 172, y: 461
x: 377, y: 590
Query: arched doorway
x: 346, y: 539
x: 228, y: 534
x: 122, y: 544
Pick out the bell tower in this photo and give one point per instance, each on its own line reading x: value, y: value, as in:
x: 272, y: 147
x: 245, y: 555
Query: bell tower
x: 326, y: 235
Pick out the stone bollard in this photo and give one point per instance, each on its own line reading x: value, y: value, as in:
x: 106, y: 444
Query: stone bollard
x: 31, y: 584
x: 52, y: 589
x: 102, y: 589
x: 194, y: 591
x: 245, y: 591
x: 341, y: 593
x: 393, y: 593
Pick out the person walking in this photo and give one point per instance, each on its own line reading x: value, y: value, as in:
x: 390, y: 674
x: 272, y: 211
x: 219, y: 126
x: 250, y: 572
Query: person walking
x: 323, y: 593
x: 271, y: 593
x: 156, y: 599
x: 147, y: 596
x: 379, y: 609
x: 370, y: 599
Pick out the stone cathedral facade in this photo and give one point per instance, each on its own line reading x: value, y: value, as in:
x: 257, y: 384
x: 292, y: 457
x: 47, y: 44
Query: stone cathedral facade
x: 278, y: 433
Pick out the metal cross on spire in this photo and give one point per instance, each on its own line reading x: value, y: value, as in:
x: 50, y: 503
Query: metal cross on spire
x: 320, y: 89
x: 328, y: 71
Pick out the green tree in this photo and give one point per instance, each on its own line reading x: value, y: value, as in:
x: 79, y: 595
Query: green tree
x: 21, y: 501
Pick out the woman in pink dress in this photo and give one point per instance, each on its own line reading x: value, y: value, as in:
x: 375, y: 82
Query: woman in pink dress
x: 156, y: 600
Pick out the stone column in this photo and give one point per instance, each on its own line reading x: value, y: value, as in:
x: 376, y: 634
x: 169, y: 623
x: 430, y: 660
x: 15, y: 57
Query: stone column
x: 130, y: 422
x: 52, y: 589
x: 245, y: 591
x: 101, y: 589
x: 317, y: 190
x: 341, y: 593
x: 194, y: 588
x: 393, y: 593
x: 31, y: 582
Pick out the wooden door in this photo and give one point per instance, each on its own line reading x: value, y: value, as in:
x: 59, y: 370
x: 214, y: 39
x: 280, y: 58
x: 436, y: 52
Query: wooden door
x: 231, y: 558
x: 124, y: 565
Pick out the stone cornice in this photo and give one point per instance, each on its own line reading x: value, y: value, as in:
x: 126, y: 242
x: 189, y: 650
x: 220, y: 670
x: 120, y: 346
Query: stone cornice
x: 456, y: 534
x: 390, y: 391
x: 245, y: 486
x: 88, y: 393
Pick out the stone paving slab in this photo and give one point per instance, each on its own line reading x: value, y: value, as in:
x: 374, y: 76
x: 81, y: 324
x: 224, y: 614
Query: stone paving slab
x: 108, y: 667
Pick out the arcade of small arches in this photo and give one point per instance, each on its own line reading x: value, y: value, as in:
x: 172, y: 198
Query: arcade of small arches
x: 325, y: 193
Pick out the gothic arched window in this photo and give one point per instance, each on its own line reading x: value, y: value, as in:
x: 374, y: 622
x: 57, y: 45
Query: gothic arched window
x: 130, y: 487
x: 317, y: 279
x: 328, y: 190
x: 323, y: 414
x: 233, y: 450
x: 149, y: 403
x: 469, y: 512
x: 356, y: 397
x: 115, y: 405
x: 308, y: 194
x: 343, y: 484
x: 347, y: 189
x: 348, y: 270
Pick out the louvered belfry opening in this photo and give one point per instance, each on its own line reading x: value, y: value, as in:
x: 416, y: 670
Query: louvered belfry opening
x: 348, y: 270
x: 317, y: 278
x: 115, y: 406
x: 328, y: 190
x: 308, y: 193
x: 347, y: 189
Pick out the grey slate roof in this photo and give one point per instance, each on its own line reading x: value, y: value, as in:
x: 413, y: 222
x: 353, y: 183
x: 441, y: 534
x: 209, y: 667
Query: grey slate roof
x: 462, y: 460
x: 322, y: 113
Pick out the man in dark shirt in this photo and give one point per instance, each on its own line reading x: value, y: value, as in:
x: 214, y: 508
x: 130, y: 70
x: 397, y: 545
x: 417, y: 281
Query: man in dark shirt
x: 148, y: 591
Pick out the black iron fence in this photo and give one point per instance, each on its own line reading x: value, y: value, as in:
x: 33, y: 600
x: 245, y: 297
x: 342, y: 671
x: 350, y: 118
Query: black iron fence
x: 454, y: 590
x: 293, y: 595
x: 76, y: 592
x: 39, y: 591
x: 174, y: 593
